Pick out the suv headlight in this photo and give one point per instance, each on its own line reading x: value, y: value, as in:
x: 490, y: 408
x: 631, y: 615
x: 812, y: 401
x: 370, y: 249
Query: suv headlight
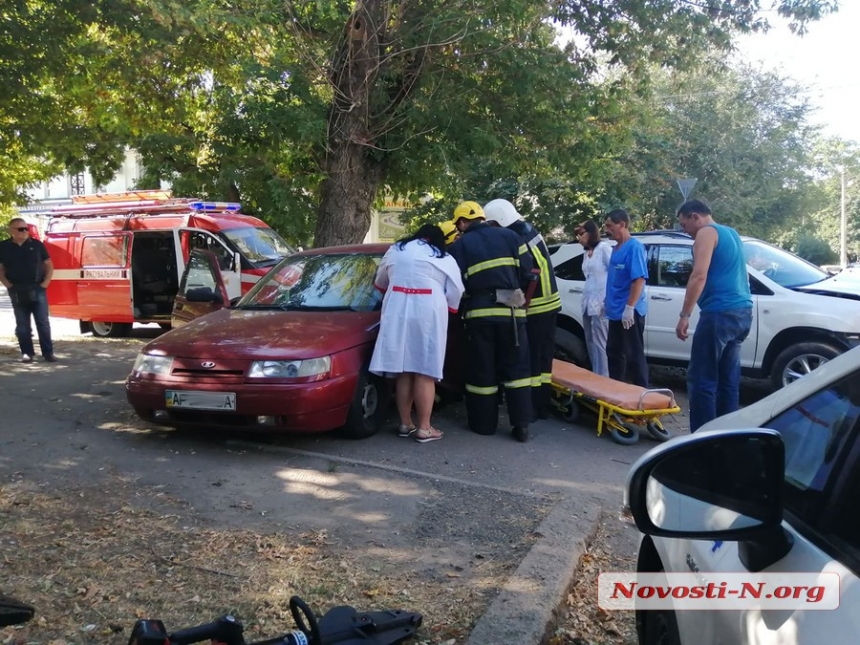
x: 149, y: 364
x: 291, y: 369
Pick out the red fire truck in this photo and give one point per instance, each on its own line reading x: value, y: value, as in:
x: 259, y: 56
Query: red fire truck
x: 118, y: 257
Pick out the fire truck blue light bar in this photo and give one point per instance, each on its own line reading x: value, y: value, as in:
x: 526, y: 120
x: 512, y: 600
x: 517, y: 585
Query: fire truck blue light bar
x: 215, y: 206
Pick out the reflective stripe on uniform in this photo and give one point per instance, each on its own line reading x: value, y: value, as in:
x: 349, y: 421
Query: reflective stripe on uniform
x: 546, y: 377
x: 494, y: 311
x: 492, y: 264
x: 542, y: 306
x: 520, y: 382
x: 475, y: 389
x: 536, y: 381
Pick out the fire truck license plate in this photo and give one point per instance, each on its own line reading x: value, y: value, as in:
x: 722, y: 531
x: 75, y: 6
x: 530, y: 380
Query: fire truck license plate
x: 201, y: 400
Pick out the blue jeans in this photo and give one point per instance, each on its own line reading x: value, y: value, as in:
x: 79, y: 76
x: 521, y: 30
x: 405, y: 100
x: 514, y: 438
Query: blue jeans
x: 38, y: 309
x: 714, y: 374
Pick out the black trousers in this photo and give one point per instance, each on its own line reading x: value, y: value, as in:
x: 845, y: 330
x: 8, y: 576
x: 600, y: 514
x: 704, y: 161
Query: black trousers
x: 541, y: 328
x: 493, y: 359
x: 625, y: 352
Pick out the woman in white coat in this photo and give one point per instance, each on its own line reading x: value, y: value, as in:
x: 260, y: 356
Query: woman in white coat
x: 422, y: 284
x: 595, y: 266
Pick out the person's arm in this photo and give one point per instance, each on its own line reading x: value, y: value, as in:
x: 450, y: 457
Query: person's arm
x: 6, y: 283
x: 703, y: 251
x: 49, y: 273
x: 636, y: 288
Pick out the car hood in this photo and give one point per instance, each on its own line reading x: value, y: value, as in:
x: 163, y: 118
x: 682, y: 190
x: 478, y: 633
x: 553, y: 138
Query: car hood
x: 840, y: 286
x: 274, y: 335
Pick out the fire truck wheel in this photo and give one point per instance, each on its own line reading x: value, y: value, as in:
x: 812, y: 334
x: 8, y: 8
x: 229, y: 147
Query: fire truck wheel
x: 110, y: 330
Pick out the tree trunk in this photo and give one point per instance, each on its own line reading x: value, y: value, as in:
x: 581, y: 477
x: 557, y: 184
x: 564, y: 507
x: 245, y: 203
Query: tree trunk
x: 353, y: 167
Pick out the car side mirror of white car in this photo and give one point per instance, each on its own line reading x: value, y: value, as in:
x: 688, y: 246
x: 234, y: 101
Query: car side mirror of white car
x: 717, y: 485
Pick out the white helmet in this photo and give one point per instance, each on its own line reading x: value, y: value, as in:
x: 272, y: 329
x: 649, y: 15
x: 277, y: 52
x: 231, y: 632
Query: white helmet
x: 502, y: 212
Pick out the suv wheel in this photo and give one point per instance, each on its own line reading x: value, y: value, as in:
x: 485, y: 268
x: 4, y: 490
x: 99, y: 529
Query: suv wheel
x: 798, y: 360
x: 571, y: 348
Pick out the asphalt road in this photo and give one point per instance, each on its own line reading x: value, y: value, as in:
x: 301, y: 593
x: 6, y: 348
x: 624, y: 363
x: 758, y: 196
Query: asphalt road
x: 68, y: 424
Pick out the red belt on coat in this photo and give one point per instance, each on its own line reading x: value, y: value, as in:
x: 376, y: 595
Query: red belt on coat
x: 425, y: 292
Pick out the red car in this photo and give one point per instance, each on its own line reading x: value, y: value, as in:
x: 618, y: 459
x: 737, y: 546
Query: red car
x: 290, y: 356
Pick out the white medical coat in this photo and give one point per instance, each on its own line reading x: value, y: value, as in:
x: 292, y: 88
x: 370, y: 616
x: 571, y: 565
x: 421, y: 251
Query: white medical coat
x: 420, y: 290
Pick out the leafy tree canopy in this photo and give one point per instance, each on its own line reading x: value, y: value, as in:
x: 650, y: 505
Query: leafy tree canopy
x: 291, y: 106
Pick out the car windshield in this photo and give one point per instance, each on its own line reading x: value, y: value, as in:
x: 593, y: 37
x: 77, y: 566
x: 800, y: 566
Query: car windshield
x: 263, y: 247
x: 324, y: 282
x: 784, y: 268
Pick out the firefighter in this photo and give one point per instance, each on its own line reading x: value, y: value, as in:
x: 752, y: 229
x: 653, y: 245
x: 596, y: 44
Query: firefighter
x: 543, y: 307
x: 449, y: 230
x: 496, y: 268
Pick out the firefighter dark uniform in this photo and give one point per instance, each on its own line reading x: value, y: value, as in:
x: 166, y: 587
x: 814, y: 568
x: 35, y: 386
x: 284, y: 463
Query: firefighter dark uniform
x: 492, y: 258
x: 544, y: 306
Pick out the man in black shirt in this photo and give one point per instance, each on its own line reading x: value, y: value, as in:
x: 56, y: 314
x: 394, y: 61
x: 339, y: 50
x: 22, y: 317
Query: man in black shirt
x: 26, y: 270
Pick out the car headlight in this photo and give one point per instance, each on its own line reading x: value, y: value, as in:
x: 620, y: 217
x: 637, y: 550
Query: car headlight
x: 149, y: 364
x: 291, y: 369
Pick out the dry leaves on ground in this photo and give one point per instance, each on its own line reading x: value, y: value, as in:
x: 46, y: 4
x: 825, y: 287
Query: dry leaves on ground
x: 581, y: 621
x: 93, y: 561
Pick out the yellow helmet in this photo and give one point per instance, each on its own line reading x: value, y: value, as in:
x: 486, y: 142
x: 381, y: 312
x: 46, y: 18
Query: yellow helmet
x: 449, y: 230
x: 468, y: 210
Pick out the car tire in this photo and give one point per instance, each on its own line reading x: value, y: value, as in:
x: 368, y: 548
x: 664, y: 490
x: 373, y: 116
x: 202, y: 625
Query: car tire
x: 660, y: 628
x: 798, y: 360
x: 368, y: 409
x: 110, y: 329
x: 571, y: 348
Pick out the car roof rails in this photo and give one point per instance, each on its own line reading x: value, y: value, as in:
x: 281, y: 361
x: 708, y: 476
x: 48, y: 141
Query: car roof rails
x: 668, y: 232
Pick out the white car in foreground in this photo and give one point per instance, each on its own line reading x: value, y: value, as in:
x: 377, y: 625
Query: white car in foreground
x: 787, y: 471
x: 802, y: 316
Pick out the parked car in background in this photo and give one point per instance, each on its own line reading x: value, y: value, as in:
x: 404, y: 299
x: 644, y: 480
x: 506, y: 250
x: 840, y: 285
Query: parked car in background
x: 290, y: 356
x: 780, y: 500
x: 802, y: 317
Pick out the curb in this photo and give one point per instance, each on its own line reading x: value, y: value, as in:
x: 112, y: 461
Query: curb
x: 526, y: 606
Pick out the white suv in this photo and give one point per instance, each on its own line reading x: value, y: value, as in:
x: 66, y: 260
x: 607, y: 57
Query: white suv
x: 802, y: 317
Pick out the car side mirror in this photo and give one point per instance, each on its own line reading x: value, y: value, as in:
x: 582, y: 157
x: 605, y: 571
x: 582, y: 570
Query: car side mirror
x: 204, y: 294
x: 717, y: 485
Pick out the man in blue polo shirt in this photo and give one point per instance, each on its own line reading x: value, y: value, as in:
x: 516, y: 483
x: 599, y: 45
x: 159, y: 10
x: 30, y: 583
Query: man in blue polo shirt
x: 625, y: 302
x: 25, y: 271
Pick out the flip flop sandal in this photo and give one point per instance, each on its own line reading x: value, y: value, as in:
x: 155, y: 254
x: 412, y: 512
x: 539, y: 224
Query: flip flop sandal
x: 406, y: 431
x: 427, y: 435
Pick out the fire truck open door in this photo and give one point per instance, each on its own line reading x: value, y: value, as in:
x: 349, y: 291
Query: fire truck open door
x: 104, y: 287
x: 229, y: 261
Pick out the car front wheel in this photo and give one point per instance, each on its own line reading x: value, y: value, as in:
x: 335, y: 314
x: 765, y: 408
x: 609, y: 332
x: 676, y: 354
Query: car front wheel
x: 571, y: 348
x: 799, y: 360
x: 368, y: 409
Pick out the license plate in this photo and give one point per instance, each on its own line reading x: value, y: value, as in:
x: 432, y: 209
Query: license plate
x: 200, y: 400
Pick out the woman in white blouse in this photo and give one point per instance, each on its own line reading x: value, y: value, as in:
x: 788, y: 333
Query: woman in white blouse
x: 595, y: 264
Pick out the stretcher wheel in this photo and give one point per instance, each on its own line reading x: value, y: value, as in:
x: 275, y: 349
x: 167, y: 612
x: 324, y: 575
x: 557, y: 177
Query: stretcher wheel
x: 657, y: 431
x: 570, y: 412
x: 625, y: 434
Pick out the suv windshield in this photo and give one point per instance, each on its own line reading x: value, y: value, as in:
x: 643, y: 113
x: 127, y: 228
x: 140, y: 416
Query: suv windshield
x: 262, y: 247
x: 318, y: 282
x: 784, y: 268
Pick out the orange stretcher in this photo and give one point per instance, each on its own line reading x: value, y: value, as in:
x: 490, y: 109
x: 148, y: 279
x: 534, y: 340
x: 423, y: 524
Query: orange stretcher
x: 621, y: 407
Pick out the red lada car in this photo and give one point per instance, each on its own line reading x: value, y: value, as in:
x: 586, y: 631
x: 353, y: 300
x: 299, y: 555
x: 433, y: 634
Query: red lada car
x: 290, y: 356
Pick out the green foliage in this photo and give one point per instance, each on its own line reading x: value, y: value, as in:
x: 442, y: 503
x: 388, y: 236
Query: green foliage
x: 259, y: 101
x: 815, y: 250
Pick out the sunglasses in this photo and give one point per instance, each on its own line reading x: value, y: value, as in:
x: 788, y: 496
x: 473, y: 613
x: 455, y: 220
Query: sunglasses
x: 20, y: 229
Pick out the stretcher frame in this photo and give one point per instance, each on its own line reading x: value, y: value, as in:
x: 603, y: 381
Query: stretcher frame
x: 624, y: 423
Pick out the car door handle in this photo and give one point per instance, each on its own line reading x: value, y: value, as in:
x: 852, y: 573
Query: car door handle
x: 574, y: 290
x: 661, y: 298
